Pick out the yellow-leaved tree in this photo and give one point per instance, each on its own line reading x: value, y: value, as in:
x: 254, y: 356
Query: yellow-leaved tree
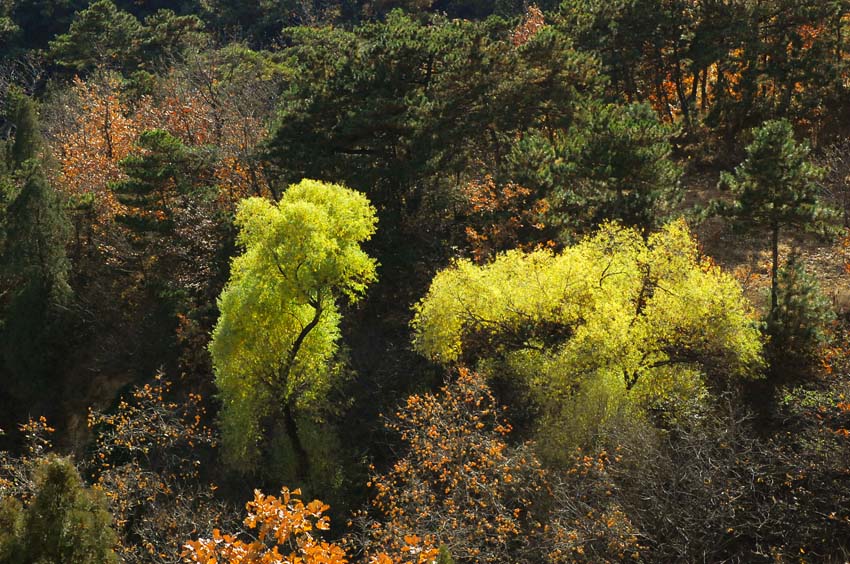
x: 616, y: 322
x: 279, y: 323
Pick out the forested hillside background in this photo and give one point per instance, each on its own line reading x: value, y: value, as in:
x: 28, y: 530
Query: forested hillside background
x: 497, y: 282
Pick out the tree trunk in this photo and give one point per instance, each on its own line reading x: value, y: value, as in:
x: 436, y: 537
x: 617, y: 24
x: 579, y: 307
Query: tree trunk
x: 774, y: 270
x: 107, y: 131
x: 302, y: 459
x: 680, y: 90
x: 694, y: 88
x: 661, y: 93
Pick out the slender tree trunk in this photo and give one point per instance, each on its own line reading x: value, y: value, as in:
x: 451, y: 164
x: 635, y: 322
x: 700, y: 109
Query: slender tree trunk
x: 663, y: 100
x: 107, y: 130
x: 78, y: 240
x: 680, y: 90
x: 694, y: 88
x: 774, y: 270
x: 302, y: 458
x: 659, y: 86
x: 296, y: 345
x: 90, y: 230
x: 255, y: 181
x: 302, y: 461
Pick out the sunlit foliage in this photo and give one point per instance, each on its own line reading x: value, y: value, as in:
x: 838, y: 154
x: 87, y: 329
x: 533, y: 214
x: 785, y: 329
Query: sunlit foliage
x: 776, y: 188
x: 279, y: 323
x: 286, y: 531
x: 89, y: 151
x: 460, y: 484
x: 614, y: 318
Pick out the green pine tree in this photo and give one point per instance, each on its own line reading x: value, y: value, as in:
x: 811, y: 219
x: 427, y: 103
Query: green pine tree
x: 66, y: 523
x: 161, y: 170
x: 11, y: 517
x: 798, y: 325
x: 444, y: 557
x: 37, y: 230
x: 775, y: 188
x: 612, y: 163
x: 26, y: 144
x: 33, y: 263
x: 100, y: 35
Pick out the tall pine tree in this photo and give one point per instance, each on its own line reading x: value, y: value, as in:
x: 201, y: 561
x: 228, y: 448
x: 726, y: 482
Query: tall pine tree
x: 63, y: 522
x: 33, y: 263
x: 798, y: 325
x: 159, y: 172
x: 774, y: 189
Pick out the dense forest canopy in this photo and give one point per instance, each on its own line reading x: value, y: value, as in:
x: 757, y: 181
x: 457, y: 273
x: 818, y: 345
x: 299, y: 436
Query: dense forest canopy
x: 496, y: 281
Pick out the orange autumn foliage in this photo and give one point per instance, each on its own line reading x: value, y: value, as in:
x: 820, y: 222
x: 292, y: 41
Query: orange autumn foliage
x: 199, y: 119
x: 809, y: 34
x: 460, y: 485
x: 16, y: 473
x: 587, y: 525
x: 533, y: 22
x: 503, y: 217
x: 285, y: 534
x: 146, y: 459
x: 105, y: 127
x: 145, y: 429
x: 89, y: 153
x: 285, y: 530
